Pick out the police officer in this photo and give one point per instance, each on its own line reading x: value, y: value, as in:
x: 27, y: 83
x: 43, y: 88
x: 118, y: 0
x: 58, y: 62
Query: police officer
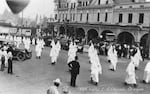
x: 10, y: 64
x: 75, y: 68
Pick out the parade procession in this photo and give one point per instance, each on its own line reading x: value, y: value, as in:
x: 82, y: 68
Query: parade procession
x: 71, y: 52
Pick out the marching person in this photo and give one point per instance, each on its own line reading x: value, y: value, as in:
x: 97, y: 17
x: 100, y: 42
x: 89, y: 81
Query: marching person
x: 96, y: 68
x: 113, y: 59
x: 38, y: 50
x: 137, y: 58
x: 53, y: 53
x: 75, y: 69
x: 109, y: 53
x: 72, y: 52
x: 131, y: 76
x: 54, y: 89
x: 90, y: 51
x: 10, y: 64
x: 146, y: 78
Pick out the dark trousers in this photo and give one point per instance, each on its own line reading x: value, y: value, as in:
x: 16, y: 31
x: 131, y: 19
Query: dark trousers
x: 10, y: 67
x: 73, y: 79
x: 2, y: 65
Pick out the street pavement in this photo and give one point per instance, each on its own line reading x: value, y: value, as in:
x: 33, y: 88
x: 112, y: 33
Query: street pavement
x: 35, y: 76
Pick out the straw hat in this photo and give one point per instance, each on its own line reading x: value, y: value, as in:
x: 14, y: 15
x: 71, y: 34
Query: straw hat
x: 57, y: 81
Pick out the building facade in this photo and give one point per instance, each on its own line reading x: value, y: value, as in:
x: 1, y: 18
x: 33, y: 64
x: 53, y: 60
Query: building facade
x: 127, y: 20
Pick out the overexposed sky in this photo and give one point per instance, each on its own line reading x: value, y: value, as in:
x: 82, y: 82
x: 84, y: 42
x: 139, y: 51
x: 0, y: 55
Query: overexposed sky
x: 40, y: 7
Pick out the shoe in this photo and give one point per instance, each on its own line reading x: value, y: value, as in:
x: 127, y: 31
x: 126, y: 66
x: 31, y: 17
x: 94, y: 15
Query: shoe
x: 125, y: 83
x: 112, y: 69
x: 135, y: 85
x: 136, y: 68
x: 53, y: 63
x: 144, y: 81
x: 96, y: 83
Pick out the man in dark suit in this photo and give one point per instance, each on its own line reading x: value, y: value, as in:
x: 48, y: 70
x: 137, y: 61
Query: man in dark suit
x: 75, y: 69
x: 10, y: 64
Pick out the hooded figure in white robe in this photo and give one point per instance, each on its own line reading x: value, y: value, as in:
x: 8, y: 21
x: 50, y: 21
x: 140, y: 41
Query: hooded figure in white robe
x: 90, y: 51
x: 113, y: 60
x: 38, y: 50
x: 53, y: 53
x: 33, y: 41
x: 131, y: 76
x: 109, y: 53
x: 72, y: 52
x: 58, y: 47
x: 146, y: 78
x: 96, y: 68
x: 137, y: 58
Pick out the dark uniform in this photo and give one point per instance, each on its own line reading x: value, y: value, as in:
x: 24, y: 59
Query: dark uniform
x: 2, y: 63
x: 75, y: 69
x: 10, y: 66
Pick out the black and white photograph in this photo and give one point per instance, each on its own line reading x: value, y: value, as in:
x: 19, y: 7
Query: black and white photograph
x: 74, y: 46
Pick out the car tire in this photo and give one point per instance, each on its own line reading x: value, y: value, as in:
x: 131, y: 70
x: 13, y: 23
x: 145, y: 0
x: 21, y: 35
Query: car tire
x: 29, y: 55
x: 20, y: 56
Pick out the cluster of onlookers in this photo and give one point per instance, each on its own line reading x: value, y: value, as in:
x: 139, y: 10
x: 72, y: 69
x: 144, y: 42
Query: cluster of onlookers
x: 123, y: 50
x: 6, y: 58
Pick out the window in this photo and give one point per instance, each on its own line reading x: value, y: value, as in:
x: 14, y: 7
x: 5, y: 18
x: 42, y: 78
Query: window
x: 120, y: 6
x: 133, y: 0
x: 98, y: 15
x: 83, y: 4
x: 55, y: 16
x: 60, y: 16
x: 74, y: 5
x: 106, y: 17
x: 86, y: 3
x: 141, y: 17
x: 81, y: 17
x: 130, y: 18
x: 73, y: 16
x: 87, y: 17
x: 67, y: 5
x: 107, y: 2
x: 142, y: 6
x: 99, y: 2
x: 66, y: 16
x: 63, y: 16
x: 70, y: 17
x: 120, y: 18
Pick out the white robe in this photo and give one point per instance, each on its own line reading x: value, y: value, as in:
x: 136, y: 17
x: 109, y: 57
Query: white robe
x: 109, y: 53
x: 53, y: 90
x: 114, y: 60
x: 72, y: 53
x: 53, y: 52
x: 38, y: 50
x: 146, y: 77
x: 96, y: 68
x: 131, y: 76
x: 137, y: 58
x: 90, y: 51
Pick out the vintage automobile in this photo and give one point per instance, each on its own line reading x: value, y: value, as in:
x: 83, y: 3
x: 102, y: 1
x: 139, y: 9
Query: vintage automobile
x: 18, y: 53
x: 65, y: 44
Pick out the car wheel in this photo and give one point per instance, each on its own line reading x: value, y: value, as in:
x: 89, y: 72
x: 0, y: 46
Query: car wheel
x: 20, y: 56
x: 29, y: 55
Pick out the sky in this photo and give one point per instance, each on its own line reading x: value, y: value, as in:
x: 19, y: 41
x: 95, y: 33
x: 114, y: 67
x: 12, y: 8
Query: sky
x: 40, y: 7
